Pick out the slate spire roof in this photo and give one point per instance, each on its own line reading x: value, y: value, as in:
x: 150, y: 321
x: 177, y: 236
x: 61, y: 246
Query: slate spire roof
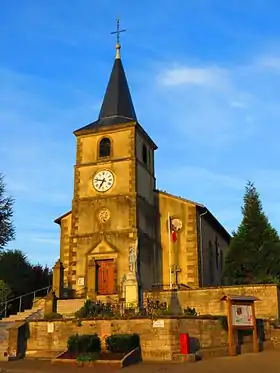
x: 117, y: 100
x: 117, y: 106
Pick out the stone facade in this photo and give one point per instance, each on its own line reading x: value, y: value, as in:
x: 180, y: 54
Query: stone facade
x: 184, y: 252
x: 157, y: 343
x: 190, y: 253
x: 274, y: 335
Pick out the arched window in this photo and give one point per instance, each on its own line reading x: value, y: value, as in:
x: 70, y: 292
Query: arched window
x: 104, y: 148
x: 144, y: 154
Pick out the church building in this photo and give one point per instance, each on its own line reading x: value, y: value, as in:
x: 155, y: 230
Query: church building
x: 120, y: 224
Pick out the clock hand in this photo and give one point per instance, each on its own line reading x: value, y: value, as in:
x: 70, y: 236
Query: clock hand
x: 101, y: 183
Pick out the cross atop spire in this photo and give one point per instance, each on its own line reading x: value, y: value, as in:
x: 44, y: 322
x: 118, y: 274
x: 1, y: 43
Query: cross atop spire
x: 117, y: 33
x: 117, y: 107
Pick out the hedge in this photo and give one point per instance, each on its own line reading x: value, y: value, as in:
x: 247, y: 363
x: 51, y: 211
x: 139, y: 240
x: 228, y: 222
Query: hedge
x: 122, y: 343
x: 79, y: 344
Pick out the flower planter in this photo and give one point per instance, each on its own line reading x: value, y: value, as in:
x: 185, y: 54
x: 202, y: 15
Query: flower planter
x: 118, y: 360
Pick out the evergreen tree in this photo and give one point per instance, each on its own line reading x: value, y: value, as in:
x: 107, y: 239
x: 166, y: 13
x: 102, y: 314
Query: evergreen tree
x: 7, y: 231
x: 254, y: 251
x: 22, y: 277
x: 4, y: 294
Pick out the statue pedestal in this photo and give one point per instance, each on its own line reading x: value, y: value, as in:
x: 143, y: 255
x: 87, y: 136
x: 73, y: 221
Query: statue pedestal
x: 131, y: 291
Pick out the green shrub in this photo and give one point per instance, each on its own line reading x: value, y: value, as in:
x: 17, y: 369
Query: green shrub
x: 96, y: 310
x: 190, y: 311
x: 156, y: 308
x: 52, y: 316
x: 122, y: 343
x: 79, y: 344
x: 73, y: 344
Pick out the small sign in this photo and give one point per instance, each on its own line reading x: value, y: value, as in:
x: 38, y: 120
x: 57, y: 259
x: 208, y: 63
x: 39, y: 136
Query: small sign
x: 81, y: 281
x: 158, y: 324
x: 50, y: 327
x: 242, y: 315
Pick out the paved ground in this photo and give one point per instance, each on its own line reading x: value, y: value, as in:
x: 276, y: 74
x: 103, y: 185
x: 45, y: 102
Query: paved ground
x: 268, y: 361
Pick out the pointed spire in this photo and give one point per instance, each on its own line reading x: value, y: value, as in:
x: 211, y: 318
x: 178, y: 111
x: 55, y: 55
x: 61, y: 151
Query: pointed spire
x: 117, y: 100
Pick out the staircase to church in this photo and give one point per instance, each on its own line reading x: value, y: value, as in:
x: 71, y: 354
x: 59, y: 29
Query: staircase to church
x: 36, y: 312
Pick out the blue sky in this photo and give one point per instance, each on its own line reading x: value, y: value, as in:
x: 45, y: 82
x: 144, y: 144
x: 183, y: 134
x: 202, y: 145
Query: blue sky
x: 205, y: 80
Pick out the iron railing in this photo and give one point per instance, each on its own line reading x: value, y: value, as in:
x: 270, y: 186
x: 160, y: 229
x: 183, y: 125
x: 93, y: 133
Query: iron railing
x: 5, y: 304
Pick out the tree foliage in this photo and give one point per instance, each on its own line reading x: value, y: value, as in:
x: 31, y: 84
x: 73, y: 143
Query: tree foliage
x: 17, y: 275
x: 254, y: 251
x: 15, y: 270
x: 5, y: 291
x: 7, y: 232
x: 22, y: 277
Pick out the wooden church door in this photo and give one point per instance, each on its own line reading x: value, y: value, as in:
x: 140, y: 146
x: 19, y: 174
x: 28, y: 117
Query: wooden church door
x: 105, y: 277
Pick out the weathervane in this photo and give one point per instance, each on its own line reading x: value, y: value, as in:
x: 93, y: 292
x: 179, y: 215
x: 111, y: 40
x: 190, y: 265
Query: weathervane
x: 117, y: 32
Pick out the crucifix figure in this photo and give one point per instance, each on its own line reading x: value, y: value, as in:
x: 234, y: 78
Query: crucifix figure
x: 176, y: 270
x: 117, y: 32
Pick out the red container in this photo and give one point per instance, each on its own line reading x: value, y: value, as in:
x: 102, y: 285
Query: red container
x: 185, y: 343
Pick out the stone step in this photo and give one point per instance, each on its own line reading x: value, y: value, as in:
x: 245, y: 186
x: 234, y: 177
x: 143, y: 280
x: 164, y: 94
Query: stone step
x: 42, y: 354
x: 16, y: 318
x: 22, y: 315
x: 69, y: 306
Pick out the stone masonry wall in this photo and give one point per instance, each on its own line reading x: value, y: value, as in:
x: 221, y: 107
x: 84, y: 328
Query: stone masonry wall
x: 157, y: 343
x: 275, y: 337
x: 206, y: 301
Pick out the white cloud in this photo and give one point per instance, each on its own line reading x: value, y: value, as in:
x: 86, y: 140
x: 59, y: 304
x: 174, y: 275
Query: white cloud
x: 269, y: 63
x: 212, y: 76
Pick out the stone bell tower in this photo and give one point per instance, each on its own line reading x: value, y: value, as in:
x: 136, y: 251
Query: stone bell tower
x: 113, y: 217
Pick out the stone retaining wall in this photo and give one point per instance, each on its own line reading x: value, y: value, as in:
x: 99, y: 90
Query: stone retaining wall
x: 207, y: 301
x: 157, y: 343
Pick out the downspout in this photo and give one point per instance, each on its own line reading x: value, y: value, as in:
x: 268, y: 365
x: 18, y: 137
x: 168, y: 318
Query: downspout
x: 201, y: 247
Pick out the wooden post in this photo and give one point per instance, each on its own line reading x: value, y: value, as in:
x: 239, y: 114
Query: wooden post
x: 231, y: 342
x: 255, y: 331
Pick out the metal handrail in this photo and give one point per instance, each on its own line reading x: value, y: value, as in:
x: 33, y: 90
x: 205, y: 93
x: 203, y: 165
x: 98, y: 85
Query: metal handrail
x: 21, y: 297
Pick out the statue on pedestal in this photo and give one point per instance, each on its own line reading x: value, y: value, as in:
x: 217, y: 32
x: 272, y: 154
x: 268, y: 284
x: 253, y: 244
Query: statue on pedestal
x: 131, y: 283
x: 132, y: 257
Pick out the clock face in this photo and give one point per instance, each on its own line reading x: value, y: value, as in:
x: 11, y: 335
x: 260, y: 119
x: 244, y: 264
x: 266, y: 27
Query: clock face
x: 103, y: 181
